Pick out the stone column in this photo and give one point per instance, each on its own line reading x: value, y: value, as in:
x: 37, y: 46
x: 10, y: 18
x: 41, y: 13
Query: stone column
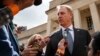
x: 77, y: 18
x: 95, y: 16
x: 49, y: 27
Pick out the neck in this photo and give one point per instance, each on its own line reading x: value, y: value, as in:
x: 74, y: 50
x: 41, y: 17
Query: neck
x: 66, y: 26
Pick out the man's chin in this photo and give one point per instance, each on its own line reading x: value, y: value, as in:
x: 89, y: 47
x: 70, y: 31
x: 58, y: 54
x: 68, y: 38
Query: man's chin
x: 61, y: 24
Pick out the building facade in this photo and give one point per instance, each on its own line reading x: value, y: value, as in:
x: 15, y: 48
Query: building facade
x: 24, y: 35
x: 86, y: 16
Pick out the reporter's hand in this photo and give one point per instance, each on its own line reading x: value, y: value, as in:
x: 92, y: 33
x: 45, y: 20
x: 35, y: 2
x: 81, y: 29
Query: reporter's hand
x: 30, y: 51
x: 38, y: 40
x: 44, y: 41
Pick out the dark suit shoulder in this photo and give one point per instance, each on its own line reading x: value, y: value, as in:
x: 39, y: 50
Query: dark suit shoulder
x: 78, y: 29
x: 84, y: 33
x: 53, y: 43
x: 56, y: 32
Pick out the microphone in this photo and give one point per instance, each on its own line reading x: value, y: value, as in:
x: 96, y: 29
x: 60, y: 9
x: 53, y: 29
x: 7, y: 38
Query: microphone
x: 64, y: 35
x: 37, y: 2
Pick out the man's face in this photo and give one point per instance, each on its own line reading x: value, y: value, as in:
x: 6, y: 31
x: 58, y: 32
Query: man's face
x: 64, y: 17
x: 90, y: 50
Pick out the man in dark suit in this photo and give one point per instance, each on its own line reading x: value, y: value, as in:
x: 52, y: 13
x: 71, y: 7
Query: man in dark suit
x: 8, y: 44
x: 79, y: 38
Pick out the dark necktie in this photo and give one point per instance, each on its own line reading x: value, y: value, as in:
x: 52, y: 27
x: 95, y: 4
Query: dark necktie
x: 68, y: 38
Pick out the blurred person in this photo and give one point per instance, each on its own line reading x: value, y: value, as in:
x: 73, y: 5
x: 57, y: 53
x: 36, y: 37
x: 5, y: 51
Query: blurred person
x: 77, y: 39
x: 39, y: 42
x: 8, y: 44
x: 94, y: 46
x: 36, y: 41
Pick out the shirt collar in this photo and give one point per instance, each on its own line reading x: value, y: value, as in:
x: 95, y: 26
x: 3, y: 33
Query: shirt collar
x: 70, y: 27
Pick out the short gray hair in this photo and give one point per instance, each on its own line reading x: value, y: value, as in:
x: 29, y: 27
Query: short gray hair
x: 69, y: 8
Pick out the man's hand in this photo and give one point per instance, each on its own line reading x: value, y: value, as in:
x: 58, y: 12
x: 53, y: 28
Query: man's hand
x: 30, y: 51
x: 44, y: 41
x: 38, y: 40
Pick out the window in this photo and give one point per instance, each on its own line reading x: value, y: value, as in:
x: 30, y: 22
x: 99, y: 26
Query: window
x: 89, y: 23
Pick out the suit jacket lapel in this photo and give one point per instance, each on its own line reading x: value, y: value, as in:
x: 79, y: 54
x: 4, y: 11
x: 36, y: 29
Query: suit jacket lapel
x: 60, y: 34
x: 55, y: 38
x: 76, y: 38
x: 13, y: 39
x: 58, y: 37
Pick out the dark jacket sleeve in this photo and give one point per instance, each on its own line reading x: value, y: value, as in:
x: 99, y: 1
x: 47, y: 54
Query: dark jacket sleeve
x: 5, y: 16
x: 39, y: 53
x: 49, y: 50
x: 5, y: 49
x: 53, y: 43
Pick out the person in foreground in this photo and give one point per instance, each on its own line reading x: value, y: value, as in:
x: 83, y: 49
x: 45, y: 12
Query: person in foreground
x: 77, y: 39
x: 94, y: 46
x: 8, y: 43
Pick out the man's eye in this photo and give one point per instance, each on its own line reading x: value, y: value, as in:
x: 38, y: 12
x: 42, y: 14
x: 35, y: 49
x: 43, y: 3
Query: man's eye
x: 62, y: 13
